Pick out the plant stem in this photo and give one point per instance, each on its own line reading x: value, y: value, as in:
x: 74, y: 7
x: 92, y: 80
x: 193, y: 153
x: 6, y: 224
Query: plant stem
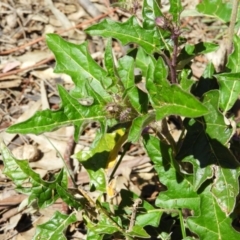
x: 164, y: 134
x: 125, y: 149
x: 64, y: 163
x: 182, y: 224
x: 232, y: 25
x: 171, y: 69
x: 134, y: 213
x: 175, y: 32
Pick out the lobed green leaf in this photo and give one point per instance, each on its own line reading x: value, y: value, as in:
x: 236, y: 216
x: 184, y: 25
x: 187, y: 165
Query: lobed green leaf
x: 127, y: 32
x: 39, y: 190
x: 54, y: 228
x: 210, y: 212
x: 75, y: 60
x: 212, y: 159
x: 180, y: 193
x: 70, y: 113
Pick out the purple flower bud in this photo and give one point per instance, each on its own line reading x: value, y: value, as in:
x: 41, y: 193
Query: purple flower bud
x: 161, y: 22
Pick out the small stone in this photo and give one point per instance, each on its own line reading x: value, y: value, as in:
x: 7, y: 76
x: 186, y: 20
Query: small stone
x: 27, y: 152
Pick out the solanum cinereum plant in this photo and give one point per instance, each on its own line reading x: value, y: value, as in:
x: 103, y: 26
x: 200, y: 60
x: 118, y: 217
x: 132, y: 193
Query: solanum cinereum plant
x: 131, y: 99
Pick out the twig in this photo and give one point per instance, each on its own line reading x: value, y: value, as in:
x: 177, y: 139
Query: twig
x: 134, y: 213
x: 81, y: 25
x: 164, y: 134
x: 27, y: 68
x: 89, y: 7
x: 67, y: 156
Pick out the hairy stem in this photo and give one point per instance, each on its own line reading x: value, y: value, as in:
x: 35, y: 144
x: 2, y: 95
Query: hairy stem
x: 173, y: 78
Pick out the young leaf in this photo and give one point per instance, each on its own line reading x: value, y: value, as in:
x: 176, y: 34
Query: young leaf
x: 191, y: 51
x: 143, y: 61
x: 210, y: 212
x: 216, y: 8
x: 76, y: 61
x: 137, y: 98
x: 208, y: 71
x: 105, y: 226
x: 147, y: 215
x: 185, y: 82
x: 109, y: 64
x: 119, y: 142
x: 101, y: 154
x: 171, y: 99
x: 138, y: 125
x: 68, y: 198
x: 229, y: 86
x: 91, y: 234
x: 176, y: 9
x: 150, y: 12
x: 70, y: 113
x: 54, y: 228
x: 215, y: 124
x: 138, y: 231
x: 127, y: 32
x: 234, y: 59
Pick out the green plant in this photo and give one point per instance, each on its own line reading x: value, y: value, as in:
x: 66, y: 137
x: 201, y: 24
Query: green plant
x: 199, y: 171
